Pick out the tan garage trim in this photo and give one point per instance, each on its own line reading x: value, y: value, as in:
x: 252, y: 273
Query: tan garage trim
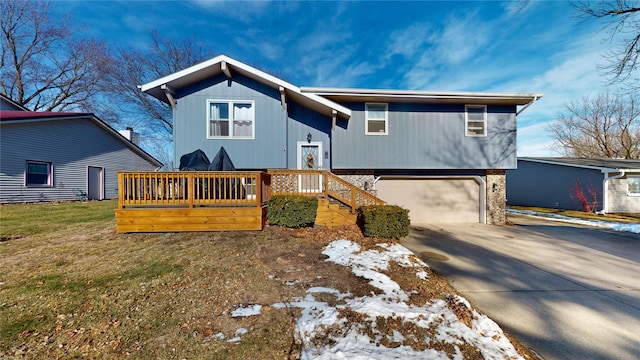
x: 436, y: 199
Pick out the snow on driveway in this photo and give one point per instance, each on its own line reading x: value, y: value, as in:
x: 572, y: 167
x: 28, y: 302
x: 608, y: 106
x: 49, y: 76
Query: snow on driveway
x: 325, y: 334
x: 618, y: 226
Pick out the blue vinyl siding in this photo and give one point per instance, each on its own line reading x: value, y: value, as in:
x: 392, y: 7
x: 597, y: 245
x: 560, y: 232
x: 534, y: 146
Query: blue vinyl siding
x: 302, y: 122
x: 272, y: 124
x: 190, y: 125
x: 426, y: 136
x: 420, y: 136
x: 548, y: 185
x: 71, y: 146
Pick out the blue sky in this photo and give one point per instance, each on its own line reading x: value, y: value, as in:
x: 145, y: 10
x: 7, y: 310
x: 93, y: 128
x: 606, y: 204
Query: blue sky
x: 414, y: 45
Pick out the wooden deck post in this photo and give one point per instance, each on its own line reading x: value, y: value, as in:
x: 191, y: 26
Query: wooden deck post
x: 325, y: 185
x: 121, y: 190
x: 258, y: 182
x: 190, y: 190
x: 353, y: 201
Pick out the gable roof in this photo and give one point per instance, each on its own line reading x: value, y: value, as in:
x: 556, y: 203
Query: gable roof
x: 25, y: 117
x: 6, y: 102
x: 228, y: 66
x: 602, y: 164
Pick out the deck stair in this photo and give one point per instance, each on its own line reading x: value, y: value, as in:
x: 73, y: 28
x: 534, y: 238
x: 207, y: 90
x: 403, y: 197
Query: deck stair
x: 332, y: 214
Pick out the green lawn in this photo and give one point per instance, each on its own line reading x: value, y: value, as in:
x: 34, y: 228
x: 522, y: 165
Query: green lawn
x: 29, y: 219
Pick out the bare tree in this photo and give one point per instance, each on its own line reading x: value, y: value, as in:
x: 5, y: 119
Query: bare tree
x: 44, y: 64
x: 623, y: 20
x: 606, y: 126
x: 135, y: 67
x: 152, y: 118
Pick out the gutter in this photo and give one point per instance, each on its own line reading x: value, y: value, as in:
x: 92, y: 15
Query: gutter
x: 605, y: 189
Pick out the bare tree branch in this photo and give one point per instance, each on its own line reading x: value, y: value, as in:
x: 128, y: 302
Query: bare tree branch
x: 623, y: 20
x: 134, y: 67
x: 607, y: 126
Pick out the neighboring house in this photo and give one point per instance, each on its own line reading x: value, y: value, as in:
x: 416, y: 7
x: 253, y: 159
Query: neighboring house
x: 442, y: 155
x: 553, y: 183
x: 52, y: 156
x: 8, y: 104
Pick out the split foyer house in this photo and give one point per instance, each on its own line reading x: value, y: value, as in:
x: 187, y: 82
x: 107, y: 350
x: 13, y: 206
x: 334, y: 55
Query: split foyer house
x: 442, y: 155
x: 54, y: 156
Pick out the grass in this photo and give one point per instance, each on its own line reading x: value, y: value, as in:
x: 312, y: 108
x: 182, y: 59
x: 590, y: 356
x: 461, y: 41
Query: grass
x: 625, y: 218
x: 29, y: 219
x: 71, y: 287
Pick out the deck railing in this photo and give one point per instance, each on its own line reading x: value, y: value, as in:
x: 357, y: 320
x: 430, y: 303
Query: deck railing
x: 320, y: 182
x: 193, y: 188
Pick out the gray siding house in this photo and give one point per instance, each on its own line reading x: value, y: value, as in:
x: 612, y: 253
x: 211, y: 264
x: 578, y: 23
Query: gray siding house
x: 442, y: 155
x: 550, y: 182
x: 53, y: 156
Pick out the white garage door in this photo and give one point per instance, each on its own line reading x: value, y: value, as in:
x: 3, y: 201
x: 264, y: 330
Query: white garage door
x: 434, y: 200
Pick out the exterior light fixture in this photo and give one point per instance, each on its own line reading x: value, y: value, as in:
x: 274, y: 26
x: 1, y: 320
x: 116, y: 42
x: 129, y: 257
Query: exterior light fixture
x: 309, y: 138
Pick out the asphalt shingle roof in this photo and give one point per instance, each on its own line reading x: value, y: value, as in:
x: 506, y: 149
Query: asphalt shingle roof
x: 595, y: 162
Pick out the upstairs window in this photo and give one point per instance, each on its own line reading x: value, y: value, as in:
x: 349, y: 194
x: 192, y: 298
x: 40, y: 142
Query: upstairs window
x: 475, y: 120
x: 230, y: 119
x: 38, y: 174
x: 376, y: 119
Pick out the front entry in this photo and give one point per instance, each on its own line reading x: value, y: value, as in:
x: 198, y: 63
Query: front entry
x: 309, y: 158
x: 95, y: 183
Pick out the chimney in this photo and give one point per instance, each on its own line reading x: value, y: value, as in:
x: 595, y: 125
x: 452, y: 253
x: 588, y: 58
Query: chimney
x: 131, y: 135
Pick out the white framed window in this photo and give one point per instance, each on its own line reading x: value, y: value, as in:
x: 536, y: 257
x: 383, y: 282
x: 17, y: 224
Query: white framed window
x: 38, y: 174
x: 230, y: 119
x: 475, y: 123
x: 633, y: 185
x: 376, y: 119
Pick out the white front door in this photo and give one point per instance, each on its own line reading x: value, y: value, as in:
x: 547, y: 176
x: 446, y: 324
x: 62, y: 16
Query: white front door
x: 309, y: 158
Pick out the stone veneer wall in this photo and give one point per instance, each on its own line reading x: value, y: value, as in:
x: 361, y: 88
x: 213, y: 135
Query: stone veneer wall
x: 496, y: 197
x: 363, y: 181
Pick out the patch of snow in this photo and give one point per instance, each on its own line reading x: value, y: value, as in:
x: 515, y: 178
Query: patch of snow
x: 319, y: 320
x: 618, y: 226
x: 247, y: 311
x: 238, y: 335
x: 422, y: 275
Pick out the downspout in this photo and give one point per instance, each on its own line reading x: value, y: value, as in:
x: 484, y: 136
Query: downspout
x: 334, y: 119
x: 283, y: 102
x: 605, y: 189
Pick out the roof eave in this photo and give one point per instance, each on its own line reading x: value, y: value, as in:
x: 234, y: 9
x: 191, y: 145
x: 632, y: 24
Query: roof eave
x: 213, y: 67
x: 424, y: 96
x: 603, y: 169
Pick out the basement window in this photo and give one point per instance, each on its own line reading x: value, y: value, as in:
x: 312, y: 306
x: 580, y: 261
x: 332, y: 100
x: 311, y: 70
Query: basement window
x: 633, y: 183
x: 475, y: 120
x: 38, y: 174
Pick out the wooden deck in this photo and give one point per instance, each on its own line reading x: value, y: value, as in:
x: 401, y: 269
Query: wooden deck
x: 213, y: 201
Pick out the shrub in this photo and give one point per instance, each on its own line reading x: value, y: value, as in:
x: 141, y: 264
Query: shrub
x: 292, y: 211
x: 384, y: 221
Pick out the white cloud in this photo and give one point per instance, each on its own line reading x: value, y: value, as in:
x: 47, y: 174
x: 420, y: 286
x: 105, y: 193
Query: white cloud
x: 534, y: 140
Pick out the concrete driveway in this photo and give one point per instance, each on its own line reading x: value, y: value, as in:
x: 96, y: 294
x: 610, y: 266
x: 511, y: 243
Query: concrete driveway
x: 566, y: 291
